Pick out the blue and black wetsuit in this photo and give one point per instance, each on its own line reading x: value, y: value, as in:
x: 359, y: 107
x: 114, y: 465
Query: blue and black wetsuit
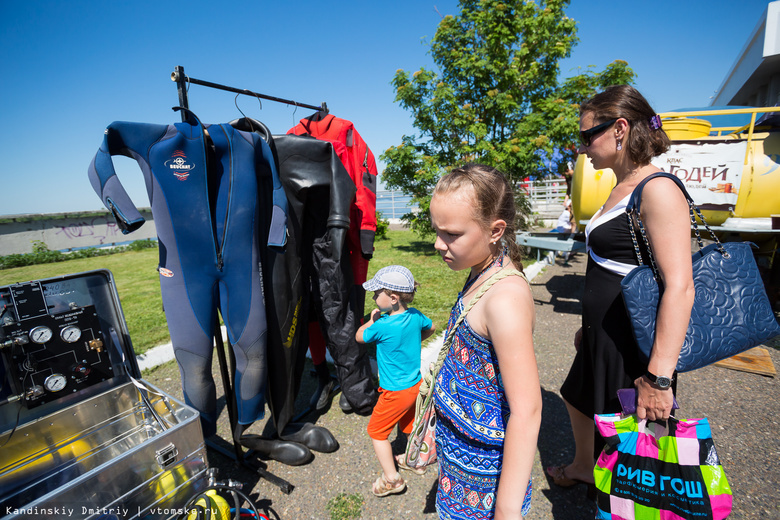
x: 216, y: 201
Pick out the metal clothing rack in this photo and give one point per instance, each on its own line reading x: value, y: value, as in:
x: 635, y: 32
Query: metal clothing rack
x: 182, y: 80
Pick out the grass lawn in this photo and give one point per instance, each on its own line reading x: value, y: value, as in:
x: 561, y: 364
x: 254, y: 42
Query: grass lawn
x: 439, y: 285
x: 139, y: 288
x: 137, y: 283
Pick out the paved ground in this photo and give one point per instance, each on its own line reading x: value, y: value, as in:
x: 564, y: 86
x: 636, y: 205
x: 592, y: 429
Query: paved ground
x: 742, y: 408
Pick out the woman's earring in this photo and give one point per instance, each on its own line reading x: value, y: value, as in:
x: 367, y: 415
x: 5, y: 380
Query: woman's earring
x: 619, y: 145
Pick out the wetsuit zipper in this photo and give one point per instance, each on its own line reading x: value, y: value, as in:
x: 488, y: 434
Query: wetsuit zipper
x: 229, y: 194
x: 209, y: 152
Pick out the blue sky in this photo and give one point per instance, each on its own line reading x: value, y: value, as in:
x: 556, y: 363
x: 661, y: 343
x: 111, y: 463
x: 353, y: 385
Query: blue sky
x: 71, y: 68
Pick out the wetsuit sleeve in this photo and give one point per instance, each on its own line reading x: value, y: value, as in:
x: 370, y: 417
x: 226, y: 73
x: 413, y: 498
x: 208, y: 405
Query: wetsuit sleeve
x: 342, y: 192
x: 123, y: 138
x: 277, y: 233
x: 366, y: 196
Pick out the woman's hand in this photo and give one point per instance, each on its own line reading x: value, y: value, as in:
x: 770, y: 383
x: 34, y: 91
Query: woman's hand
x: 578, y: 339
x: 652, y: 402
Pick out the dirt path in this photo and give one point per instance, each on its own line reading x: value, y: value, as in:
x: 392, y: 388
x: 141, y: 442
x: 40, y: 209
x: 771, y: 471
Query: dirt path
x: 742, y: 408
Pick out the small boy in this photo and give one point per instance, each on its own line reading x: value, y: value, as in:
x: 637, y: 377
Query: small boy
x: 398, y: 332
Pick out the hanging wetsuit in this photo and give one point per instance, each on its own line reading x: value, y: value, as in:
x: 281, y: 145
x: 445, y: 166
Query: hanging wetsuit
x: 361, y: 166
x: 313, y: 275
x: 203, y: 185
x: 362, y: 169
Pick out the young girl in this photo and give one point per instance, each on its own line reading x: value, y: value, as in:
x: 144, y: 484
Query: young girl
x: 487, y: 395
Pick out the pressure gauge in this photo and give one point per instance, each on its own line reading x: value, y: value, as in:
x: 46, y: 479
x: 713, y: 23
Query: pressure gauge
x: 40, y: 334
x: 55, y: 382
x: 71, y: 334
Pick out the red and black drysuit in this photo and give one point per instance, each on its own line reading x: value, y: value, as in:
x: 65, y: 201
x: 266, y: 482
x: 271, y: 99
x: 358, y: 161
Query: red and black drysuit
x: 361, y: 166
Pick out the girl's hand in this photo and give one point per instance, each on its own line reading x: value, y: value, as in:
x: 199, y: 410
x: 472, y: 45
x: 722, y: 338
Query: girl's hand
x: 375, y: 314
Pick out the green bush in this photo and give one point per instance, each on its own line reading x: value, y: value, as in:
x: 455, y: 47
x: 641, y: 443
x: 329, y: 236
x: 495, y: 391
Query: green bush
x: 138, y: 245
x: 382, y: 227
x: 42, y: 255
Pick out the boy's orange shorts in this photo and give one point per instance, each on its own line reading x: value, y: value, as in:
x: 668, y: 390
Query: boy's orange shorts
x: 393, y: 407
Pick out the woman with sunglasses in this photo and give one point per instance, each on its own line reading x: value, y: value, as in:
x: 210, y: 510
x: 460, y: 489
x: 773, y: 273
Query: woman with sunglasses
x: 619, y: 130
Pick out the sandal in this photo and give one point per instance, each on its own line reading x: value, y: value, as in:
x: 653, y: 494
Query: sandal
x: 383, y: 487
x: 559, y: 478
x: 399, y: 460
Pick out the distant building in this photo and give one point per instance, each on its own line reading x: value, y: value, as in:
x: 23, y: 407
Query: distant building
x: 754, y: 79
x: 68, y: 231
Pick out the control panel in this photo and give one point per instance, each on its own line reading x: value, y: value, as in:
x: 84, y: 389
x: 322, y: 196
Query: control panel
x: 52, y: 340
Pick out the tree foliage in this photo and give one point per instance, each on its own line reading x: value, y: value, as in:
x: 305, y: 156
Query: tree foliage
x: 495, y: 99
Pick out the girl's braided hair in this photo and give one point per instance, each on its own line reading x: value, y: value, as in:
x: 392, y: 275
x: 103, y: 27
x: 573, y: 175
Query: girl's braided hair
x: 494, y: 200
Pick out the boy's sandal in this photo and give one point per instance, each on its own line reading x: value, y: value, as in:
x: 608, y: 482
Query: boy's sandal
x: 399, y: 460
x: 383, y: 487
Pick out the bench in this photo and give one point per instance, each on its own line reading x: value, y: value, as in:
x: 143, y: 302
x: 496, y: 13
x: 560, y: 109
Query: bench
x: 550, y: 241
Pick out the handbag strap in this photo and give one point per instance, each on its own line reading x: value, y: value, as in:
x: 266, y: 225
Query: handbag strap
x: 427, y: 382
x: 633, y: 213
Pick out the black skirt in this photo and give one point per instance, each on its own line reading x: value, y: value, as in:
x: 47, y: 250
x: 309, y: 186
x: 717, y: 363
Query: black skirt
x: 608, y: 358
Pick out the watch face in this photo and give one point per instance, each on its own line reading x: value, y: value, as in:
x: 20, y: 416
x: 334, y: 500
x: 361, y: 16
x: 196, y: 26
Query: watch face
x: 663, y: 382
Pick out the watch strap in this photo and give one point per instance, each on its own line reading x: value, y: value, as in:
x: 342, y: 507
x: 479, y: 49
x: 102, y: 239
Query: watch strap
x: 654, y: 378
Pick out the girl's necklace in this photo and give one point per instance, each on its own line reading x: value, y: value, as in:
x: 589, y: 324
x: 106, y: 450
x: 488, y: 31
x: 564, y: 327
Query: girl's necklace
x: 499, y: 260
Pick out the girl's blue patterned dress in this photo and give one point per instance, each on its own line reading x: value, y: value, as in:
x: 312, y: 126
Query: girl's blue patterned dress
x: 471, y: 413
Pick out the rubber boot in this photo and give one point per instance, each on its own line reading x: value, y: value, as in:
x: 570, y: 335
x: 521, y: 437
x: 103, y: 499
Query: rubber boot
x: 344, y: 404
x: 313, y: 437
x: 286, y: 452
x: 321, y: 398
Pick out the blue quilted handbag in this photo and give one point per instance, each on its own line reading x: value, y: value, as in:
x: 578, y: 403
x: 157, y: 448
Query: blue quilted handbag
x: 731, y: 312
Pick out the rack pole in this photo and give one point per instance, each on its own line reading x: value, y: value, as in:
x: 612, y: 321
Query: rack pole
x: 181, y: 85
x: 181, y: 80
x: 230, y: 403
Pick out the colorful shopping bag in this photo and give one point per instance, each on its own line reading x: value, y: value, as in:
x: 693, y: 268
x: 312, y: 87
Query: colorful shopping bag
x: 659, y: 471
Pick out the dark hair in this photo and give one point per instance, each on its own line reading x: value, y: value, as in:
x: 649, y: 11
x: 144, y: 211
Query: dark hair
x: 643, y: 143
x: 494, y: 200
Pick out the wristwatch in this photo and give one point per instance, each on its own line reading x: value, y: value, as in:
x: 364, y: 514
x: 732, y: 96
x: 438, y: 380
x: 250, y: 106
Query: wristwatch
x: 661, y: 382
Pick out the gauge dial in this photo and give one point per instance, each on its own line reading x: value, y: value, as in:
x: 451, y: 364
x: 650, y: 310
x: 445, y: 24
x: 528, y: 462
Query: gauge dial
x: 71, y: 334
x: 40, y: 334
x: 55, y: 382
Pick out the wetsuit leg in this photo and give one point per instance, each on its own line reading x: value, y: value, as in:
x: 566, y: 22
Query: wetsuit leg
x: 243, y: 310
x: 191, y: 329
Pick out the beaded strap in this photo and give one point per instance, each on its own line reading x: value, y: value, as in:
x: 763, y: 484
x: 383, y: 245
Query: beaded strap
x: 633, y: 214
x: 427, y: 380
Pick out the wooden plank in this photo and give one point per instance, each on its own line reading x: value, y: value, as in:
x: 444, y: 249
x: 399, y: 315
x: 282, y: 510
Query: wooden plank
x: 756, y: 360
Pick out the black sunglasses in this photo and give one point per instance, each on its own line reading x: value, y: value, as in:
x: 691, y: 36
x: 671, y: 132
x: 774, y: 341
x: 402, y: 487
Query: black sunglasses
x: 586, y: 136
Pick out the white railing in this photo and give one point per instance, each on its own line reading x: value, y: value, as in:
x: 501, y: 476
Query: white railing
x: 546, y: 198
x: 392, y: 204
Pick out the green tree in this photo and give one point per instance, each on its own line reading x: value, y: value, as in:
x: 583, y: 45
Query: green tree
x: 496, y: 98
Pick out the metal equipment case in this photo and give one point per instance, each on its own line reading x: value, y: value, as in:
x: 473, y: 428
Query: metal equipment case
x: 81, y: 435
